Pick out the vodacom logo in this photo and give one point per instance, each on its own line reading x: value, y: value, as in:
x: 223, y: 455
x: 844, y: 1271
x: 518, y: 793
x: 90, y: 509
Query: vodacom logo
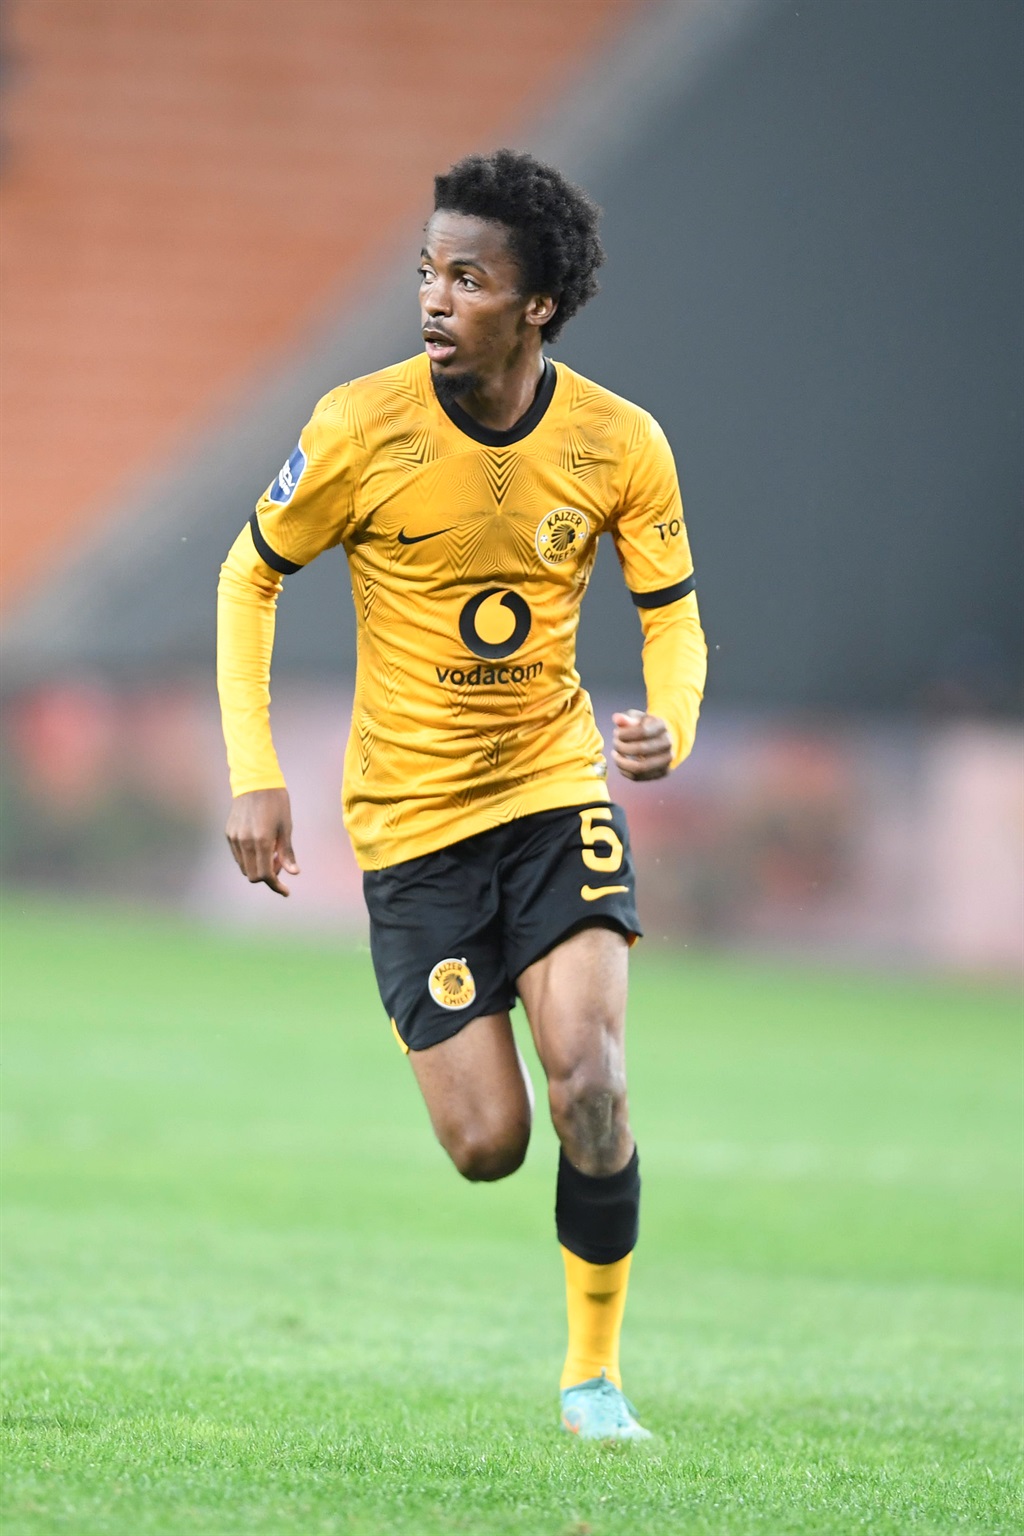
x: 494, y: 623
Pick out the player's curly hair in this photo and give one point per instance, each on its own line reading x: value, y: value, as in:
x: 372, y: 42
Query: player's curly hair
x: 552, y: 224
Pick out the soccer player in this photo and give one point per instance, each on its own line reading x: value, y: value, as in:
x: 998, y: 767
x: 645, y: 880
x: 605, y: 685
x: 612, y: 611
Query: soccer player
x: 468, y: 487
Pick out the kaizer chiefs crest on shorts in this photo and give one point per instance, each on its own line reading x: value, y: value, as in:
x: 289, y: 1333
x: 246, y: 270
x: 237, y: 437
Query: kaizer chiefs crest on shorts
x: 561, y: 535
x: 451, y: 984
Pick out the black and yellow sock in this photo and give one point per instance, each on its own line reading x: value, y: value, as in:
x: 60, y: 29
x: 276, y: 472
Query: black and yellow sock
x: 597, y: 1221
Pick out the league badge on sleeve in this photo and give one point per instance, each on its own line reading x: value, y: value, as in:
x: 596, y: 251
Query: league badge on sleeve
x: 283, y: 488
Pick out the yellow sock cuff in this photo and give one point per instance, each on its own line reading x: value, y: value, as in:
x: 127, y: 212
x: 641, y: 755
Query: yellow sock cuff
x: 595, y: 1279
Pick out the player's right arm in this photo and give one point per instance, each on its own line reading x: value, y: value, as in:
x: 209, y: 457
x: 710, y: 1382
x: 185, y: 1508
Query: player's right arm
x: 259, y: 829
x: 305, y: 510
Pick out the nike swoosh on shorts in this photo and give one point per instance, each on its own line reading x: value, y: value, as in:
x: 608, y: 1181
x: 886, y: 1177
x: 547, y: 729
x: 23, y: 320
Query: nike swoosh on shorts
x: 594, y: 892
x: 417, y: 538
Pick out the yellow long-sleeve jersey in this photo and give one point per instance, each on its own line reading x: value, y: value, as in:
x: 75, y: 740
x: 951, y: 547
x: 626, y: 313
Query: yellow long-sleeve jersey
x: 469, y: 552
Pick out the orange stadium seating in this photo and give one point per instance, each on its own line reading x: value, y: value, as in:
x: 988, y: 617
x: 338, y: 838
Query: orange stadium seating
x: 186, y: 187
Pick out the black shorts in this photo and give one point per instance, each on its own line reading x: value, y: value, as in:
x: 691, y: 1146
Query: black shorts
x: 450, y: 931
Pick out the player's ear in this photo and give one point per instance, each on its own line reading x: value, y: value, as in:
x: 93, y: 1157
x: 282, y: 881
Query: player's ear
x: 540, y: 309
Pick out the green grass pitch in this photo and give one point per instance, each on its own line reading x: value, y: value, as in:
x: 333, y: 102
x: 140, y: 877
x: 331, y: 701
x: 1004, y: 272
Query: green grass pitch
x: 246, y: 1294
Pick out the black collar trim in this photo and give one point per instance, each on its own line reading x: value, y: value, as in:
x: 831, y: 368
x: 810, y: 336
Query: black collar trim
x: 522, y: 428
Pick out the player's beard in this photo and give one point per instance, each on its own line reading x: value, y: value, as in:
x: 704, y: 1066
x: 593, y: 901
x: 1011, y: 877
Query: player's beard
x: 450, y: 387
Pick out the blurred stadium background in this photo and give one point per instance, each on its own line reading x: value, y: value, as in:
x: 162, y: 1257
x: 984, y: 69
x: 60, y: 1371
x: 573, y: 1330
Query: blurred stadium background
x: 210, y: 215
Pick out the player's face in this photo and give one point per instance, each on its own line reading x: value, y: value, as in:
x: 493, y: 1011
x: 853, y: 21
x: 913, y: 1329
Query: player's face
x: 476, y: 322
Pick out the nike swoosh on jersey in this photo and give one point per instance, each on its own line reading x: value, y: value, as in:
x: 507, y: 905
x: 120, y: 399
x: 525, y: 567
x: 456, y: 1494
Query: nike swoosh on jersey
x: 417, y: 538
x: 594, y: 892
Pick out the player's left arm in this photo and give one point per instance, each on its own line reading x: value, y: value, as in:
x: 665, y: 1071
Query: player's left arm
x: 654, y: 550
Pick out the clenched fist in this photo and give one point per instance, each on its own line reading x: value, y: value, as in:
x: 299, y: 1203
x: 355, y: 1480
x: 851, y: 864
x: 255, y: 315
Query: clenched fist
x: 641, y: 746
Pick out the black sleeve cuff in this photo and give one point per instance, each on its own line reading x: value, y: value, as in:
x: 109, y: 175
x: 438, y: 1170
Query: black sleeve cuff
x: 270, y: 556
x: 665, y: 596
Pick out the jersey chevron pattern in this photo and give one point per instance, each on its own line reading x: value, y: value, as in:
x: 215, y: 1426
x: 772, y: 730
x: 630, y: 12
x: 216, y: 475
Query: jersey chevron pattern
x: 469, y: 552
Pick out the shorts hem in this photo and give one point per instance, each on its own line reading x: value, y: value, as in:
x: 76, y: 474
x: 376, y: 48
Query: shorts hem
x: 595, y: 920
x: 447, y: 1029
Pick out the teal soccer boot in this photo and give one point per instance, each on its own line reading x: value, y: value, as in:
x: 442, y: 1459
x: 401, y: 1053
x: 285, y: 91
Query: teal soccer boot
x: 597, y: 1410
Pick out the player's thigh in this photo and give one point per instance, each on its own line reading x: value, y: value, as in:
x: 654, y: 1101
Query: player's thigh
x: 478, y: 1096
x: 570, y: 915
x: 436, y: 946
x: 575, y: 1000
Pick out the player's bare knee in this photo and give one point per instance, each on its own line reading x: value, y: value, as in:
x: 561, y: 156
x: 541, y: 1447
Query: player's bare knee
x: 483, y: 1155
x: 488, y: 1149
x: 589, y: 1110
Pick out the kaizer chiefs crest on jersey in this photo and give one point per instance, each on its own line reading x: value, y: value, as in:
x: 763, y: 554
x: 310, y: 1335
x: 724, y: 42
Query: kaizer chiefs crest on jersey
x: 469, y: 552
x: 561, y: 535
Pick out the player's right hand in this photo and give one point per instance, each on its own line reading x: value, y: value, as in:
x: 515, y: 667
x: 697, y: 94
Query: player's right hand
x: 259, y: 833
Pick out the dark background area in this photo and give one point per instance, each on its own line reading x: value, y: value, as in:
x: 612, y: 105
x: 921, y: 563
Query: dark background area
x: 814, y: 281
